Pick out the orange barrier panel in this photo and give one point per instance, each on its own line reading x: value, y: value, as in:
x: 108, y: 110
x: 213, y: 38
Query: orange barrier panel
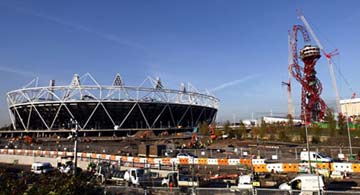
x: 323, y: 165
x: 245, y: 161
x: 124, y: 158
x: 183, y: 161
x: 260, y: 168
x: 332, y: 167
x: 150, y: 160
x: 103, y: 156
x: 136, y: 160
x: 47, y: 153
x: 355, y: 167
x: 202, y: 161
x: 112, y: 157
x: 290, y: 167
x: 83, y: 155
x: 223, y: 161
x: 93, y: 155
x: 166, y: 161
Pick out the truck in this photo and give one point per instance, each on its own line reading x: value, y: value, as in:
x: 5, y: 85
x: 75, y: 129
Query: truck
x: 137, y: 177
x: 176, y: 179
x: 246, y: 184
x: 305, y: 183
x: 118, y: 177
x: 42, y: 167
x: 314, y: 157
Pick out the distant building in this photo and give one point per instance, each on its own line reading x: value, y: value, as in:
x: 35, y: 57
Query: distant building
x: 277, y: 119
x: 350, y: 107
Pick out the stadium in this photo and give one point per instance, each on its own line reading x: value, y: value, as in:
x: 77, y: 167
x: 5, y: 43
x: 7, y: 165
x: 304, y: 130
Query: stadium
x: 113, y: 107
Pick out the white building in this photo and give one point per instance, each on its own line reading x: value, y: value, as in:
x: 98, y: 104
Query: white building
x: 350, y: 107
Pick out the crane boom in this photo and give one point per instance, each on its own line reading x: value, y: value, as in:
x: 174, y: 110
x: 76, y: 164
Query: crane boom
x: 328, y: 57
x: 290, y: 101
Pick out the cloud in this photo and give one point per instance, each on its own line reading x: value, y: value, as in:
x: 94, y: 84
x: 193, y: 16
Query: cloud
x: 232, y: 83
x: 107, y: 36
x: 17, y: 71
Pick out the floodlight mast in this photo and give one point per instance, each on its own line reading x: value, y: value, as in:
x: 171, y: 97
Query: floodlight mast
x: 328, y: 57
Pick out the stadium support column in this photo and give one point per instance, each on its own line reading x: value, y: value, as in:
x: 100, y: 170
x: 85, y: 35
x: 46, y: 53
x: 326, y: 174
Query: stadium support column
x: 75, y: 135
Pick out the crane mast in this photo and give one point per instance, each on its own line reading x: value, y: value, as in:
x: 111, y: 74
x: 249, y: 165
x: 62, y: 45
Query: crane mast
x: 328, y: 57
x: 288, y: 84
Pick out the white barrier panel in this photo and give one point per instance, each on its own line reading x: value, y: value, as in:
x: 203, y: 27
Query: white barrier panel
x: 276, y: 167
x: 212, y: 161
x: 258, y: 161
x: 343, y: 167
x: 130, y: 159
x: 174, y: 161
x: 143, y: 160
x: 234, y: 161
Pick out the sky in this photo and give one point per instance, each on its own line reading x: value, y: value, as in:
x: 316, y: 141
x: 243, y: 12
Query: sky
x: 236, y: 49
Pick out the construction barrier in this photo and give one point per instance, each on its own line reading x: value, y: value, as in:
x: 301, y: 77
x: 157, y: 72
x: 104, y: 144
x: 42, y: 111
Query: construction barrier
x: 259, y: 165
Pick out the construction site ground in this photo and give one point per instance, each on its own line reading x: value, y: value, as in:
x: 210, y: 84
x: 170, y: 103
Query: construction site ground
x: 219, y: 148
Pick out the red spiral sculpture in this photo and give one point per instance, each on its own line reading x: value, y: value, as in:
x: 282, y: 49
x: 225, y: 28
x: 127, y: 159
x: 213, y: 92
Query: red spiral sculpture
x: 312, y: 106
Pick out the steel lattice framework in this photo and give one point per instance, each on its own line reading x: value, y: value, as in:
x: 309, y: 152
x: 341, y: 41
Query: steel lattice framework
x: 312, y: 106
x: 116, y: 106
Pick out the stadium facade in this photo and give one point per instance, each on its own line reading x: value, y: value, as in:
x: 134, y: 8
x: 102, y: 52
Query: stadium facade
x: 116, y: 106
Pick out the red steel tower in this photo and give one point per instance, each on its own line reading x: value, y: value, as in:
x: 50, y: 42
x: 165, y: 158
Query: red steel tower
x: 312, y: 106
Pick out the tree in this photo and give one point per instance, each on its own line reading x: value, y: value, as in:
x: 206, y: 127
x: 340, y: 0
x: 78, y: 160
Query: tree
x: 227, y: 128
x: 203, y: 128
x: 242, y: 129
x: 262, y: 129
x: 283, y: 136
x: 317, y: 133
x: 290, y: 122
x: 342, y: 124
x: 302, y: 135
x: 14, y: 181
x: 330, y: 120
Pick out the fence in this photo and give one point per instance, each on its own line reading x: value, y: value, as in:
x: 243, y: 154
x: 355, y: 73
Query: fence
x: 110, y: 190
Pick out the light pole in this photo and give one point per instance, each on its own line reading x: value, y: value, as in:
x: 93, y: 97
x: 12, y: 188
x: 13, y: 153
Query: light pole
x: 74, y: 135
x: 348, y: 131
x: 307, y: 143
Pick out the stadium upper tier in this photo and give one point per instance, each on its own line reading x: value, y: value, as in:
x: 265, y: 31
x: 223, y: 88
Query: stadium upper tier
x: 116, y: 106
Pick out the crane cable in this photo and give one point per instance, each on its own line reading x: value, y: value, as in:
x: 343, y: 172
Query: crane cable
x: 335, y: 64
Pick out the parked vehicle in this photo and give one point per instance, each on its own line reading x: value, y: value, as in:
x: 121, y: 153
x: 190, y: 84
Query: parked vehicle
x: 42, y: 167
x: 176, y: 179
x: 304, y: 183
x: 186, y: 155
x: 118, y: 177
x: 314, y: 156
x: 137, y: 177
x: 245, y: 185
